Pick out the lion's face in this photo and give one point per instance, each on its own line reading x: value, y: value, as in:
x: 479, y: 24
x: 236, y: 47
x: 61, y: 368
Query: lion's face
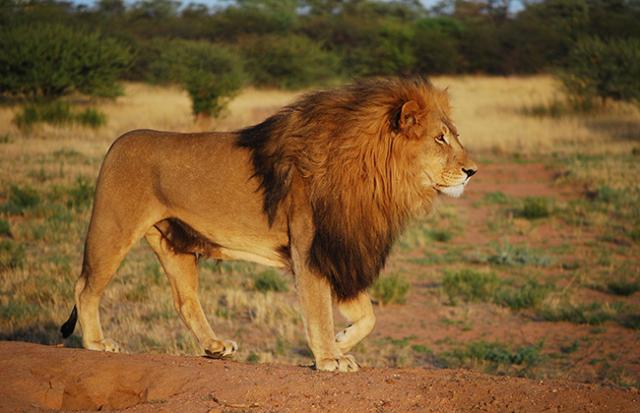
x: 446, y: 164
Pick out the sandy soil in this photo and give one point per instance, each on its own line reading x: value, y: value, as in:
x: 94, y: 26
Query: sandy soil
x: 39, y: 378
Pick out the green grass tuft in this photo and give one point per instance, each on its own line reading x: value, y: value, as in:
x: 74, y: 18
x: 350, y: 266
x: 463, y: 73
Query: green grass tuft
x: 12, y: 255
x: 21, y: 199
x: 534, y: 208
x: 593, y: 313
x: 469, y: 285
x: 390, y: 289
x: 530, y: 295
x: 5, y: 228
x: 516, y: 255
x: 270, y: 280
x: 495, y: 354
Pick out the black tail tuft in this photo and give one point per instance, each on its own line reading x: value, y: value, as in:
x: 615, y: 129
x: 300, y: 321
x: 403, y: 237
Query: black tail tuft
x: 68, y: 327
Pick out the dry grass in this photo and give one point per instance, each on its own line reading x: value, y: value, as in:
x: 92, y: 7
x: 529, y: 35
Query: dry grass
x: 46, y: 240
x: 488, y: 112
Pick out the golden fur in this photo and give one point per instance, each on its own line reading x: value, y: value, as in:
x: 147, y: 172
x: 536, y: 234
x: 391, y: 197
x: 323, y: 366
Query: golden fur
x: 321, y: 188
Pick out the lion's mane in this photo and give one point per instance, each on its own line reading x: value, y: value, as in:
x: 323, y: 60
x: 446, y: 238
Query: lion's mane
x: 362, y: 175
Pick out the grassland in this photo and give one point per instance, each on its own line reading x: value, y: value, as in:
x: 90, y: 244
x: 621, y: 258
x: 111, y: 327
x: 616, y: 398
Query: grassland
x: 534, y: 272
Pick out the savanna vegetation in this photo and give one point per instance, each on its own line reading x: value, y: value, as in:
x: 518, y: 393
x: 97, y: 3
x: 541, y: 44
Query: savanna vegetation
x: 52, y: 48
x: 534, y: 272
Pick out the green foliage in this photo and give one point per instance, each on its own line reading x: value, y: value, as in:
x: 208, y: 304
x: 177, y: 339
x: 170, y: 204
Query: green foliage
x: 436, y: 45
x: 57, y: 112
x: 529, y: 295
x: 604, y: 69
x: 440, y: 235
x: 53, y: 60
x: 592, y: 313
x: 391, y: 289
x: 469, y: 285
x: 270, y: 280
x: 534, y: 207
x: 497, y: 197
x: 496, y: 354
x: 623, y: 286
x: 5, y: 228
x: 21, y: 199
x: 210, y: 73
x: 80, y: 194
x: 290, y: 62
x: 12, y: 255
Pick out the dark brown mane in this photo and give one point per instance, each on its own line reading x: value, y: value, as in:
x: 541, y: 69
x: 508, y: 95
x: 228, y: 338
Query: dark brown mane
x: 362, y: 175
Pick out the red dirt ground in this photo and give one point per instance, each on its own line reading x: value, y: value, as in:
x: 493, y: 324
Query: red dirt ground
x: 39, y: 378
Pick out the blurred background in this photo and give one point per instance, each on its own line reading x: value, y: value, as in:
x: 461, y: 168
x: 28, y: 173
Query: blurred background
x: 534, y: 272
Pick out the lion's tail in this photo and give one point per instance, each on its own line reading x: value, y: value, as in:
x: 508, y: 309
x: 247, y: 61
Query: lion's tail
x: 70, y: 325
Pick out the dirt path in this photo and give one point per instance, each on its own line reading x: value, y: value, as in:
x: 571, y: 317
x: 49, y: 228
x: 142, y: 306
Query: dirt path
x: 35, y: 378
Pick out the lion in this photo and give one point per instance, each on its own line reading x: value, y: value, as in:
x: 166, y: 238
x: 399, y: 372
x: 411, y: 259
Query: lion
x: 321, y: 189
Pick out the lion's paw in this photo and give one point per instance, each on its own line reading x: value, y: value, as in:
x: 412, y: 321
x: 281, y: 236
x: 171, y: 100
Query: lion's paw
x: 218, y: 349
x: 106, y: 344
x: 344, y: 364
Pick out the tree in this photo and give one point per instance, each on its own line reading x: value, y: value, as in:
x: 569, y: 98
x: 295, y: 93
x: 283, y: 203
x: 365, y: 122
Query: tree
x: 210, y: 73
x: 604, y: 69
x: 47, y: 61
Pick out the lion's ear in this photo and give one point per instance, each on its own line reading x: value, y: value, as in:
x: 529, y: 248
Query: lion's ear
x: 408, y: 115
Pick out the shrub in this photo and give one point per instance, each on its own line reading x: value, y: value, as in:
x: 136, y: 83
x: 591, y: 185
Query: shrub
x: 390, y: 289
x: 57, y: 112
x: 290, y: 62
x: 52, y: 60
x: 270, y: 280
x: 604, y: 69
x: 91, y: 117
x: 210, y: 73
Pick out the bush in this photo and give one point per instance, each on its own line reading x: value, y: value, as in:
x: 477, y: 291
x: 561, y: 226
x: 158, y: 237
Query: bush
x: 391, y: 289
x: 290, y: 62
x: 57, y: 113
x: 210, y: 73
x: 604, y: 69
x: 52, y: 60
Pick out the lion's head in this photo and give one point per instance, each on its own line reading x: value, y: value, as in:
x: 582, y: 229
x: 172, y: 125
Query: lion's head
x: 446, y: 165
x: 371, y: 156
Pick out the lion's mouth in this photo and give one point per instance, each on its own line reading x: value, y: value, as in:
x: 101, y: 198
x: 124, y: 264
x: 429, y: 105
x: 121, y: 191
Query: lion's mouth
x: 454, y: 191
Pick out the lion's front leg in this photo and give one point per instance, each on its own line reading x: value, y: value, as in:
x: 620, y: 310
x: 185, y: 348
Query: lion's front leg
x: 359, y: 312
x: 314, y: 293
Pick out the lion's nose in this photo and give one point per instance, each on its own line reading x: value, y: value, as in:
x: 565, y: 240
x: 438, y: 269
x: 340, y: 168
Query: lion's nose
x: 469, y: 172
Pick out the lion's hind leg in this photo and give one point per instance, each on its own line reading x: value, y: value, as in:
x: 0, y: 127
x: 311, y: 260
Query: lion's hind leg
x: 101, y: 261
x: 359, y: 312
x: 182, y: 270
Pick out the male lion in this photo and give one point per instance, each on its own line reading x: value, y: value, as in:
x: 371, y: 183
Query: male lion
x: 322, y: 189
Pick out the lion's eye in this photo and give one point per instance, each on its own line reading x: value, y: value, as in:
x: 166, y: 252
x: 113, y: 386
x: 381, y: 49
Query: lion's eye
x: 441, y: 139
